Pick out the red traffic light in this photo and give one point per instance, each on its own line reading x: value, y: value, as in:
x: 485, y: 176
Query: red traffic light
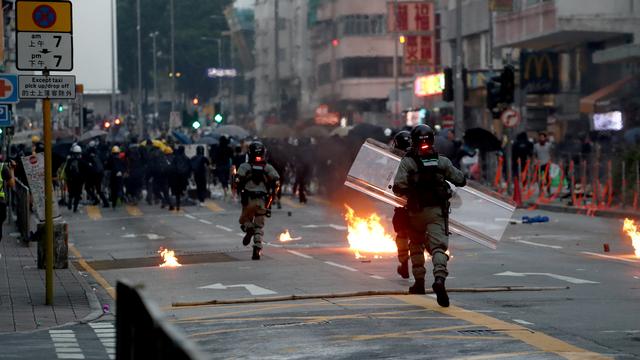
x: 107, y: 124
x: 335, y: 42
x: 117, y: 121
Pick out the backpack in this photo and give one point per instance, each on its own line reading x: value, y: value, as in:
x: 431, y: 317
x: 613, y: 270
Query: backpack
x: 73, y: 168
x: 182, y: 165
x: 431, y: 188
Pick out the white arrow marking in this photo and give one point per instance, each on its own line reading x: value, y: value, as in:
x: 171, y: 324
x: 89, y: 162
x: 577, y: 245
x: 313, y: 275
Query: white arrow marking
x: 558, y: 277
x: 252, y: 289
x: 224, y: 228
x: 523, y: 322
x: 541, y: 245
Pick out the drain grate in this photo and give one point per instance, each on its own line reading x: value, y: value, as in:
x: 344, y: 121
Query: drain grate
x: 478, y: 332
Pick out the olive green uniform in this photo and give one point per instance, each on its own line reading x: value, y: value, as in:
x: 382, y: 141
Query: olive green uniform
x: 255, y: 192
x: 427, y: 224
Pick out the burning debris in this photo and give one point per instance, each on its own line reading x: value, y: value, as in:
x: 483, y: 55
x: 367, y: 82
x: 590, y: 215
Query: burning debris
x: 368, y: 236
x: 286, y: 236
x: 169, y: 258
x: 631, y: 228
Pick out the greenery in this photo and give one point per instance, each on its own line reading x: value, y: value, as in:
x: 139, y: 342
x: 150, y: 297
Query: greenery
x: 194, y: 19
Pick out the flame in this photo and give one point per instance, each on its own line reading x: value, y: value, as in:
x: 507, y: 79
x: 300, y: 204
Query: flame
x: 286, y: 236
x: 169, y: 257
x: 631, y: 229
x: 367, y: 235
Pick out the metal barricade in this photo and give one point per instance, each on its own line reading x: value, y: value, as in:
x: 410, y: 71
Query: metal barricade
x: 142, y: 332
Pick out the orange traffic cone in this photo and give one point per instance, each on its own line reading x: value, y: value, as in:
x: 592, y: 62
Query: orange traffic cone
x: 517, y: 194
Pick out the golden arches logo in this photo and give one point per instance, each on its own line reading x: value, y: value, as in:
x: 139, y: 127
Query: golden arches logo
x: 539, y: 61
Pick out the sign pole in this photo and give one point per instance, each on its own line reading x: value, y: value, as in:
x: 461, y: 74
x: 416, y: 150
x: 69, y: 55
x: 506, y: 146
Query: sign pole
x: 48, y: 195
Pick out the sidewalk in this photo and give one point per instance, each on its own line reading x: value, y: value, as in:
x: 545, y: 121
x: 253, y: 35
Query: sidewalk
x: 22, y: 290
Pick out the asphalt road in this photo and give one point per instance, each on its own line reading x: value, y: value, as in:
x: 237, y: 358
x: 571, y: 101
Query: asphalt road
x: 596, y: 317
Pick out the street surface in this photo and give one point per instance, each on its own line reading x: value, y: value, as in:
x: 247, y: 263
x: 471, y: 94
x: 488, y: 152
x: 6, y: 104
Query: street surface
x: 596, y: 317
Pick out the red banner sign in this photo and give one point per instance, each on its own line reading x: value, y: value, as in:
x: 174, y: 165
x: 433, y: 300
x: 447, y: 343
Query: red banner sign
x: 420, y: 50
x: 411, y: 17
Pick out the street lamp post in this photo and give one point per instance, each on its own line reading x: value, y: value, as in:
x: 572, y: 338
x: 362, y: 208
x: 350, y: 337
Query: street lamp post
x: 219, y: 43
x: 173, y: 58
x: 153, y: 36
x: 139, y: 112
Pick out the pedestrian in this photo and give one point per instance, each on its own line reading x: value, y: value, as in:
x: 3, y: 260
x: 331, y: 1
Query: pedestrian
x: 200, y: 167
x: 75, y: 171
x: 521, y: 150
x: 223, y: 159
x: 303, y: 169
x: 542, y: 152
x: 422, y: 178
x: 161, y: 179
x: 400, y: 221
x: 180, y: 174
x: 118, y: 168
x: 136, y: 169
x: 257, y: 182
x: 95, y: 174
x: 7, y: 181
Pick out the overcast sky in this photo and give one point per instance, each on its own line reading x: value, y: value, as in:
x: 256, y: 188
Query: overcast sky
x: 244, y: 3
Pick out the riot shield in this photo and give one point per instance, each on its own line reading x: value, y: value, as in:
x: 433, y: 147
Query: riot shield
x: 476, y: 212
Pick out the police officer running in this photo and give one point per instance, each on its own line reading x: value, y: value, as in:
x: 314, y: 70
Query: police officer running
x: 257, y: 182
x: 422, y: 178
x: 402, y: 142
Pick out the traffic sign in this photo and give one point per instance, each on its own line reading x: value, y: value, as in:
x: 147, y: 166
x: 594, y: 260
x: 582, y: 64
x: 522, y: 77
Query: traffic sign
x: 510, y: 118
x: 5, y: 116
x: 44, y: 16
x: 44, y: 51
x: 8, y: 88
x: 47, y: 87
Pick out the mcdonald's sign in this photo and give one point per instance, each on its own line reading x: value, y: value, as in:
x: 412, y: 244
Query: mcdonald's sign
x: 539, y: 72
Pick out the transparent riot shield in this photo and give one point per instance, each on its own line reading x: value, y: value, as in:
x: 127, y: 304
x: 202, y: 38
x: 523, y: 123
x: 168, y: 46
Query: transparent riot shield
x: 476, y: 212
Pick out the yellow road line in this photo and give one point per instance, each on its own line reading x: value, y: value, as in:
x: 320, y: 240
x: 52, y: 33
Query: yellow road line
x: 94, y: 212
x: 134, y: 210
x: 511, y: 355
x: 291, y: 203
x: 538, y: 340
x: 213, y: 206
x: 402, y: 334
x: 102, y: 281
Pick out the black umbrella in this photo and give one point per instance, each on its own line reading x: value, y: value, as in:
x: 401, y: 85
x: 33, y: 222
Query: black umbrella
x: 482, y: 139
x: 364, y: 131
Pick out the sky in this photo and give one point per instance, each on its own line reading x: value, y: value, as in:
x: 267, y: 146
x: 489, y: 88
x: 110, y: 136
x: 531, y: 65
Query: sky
x: 244, y: 3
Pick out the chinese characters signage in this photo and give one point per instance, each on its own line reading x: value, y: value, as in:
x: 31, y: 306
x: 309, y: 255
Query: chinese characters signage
x: 418, y: 17
x: 428, y: 85
x: 420, y: 50
x: 51, y: 87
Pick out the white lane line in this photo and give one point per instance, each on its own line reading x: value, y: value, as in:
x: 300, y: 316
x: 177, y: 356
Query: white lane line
x: 299, y: 254
x: 340, y: 266
x: 537, y: 244
x: 190, y: 216
x: 611, y: 257
x: 60, y: 331
x: 66, y: 344
x: 338, y: 227
x: 63, y: 335
x: 70, y: 356
x: 522, y: 322
x: 274, y: 245
x: 205, y: 221
x: 224, y: 228
x: 568, y: 279
x: 240, y: 234
x: 621, y: 331
x: 377, y: 277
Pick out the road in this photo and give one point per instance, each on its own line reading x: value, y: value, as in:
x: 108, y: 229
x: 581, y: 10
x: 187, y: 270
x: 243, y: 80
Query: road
x: 595, y: 317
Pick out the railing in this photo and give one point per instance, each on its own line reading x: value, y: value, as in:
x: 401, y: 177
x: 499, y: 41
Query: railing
x: 142, y: 332
x: 22, y: 206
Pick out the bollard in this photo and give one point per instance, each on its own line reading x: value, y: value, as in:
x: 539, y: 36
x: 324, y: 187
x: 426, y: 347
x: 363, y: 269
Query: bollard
x: 60, y: 246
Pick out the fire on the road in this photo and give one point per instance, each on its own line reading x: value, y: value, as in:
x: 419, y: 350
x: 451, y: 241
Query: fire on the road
x: 368, y: 236
x: 169, y: 258
x: 631, y: 228
x: 286, y: 236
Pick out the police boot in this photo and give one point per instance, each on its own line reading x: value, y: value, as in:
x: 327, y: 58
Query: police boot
x: 418, y: 287
x: 247, y: 237
x: 256, y: 253
x: 441, y: 291
x: 403, y: 269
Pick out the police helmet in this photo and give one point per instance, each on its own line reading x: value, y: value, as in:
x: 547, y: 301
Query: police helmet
x: 257, y: 152
x: 422, y: 138
x: 115, y: 149
x: 402, y: 140
x: 76, y: 149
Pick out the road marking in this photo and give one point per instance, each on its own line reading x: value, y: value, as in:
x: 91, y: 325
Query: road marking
x: 340, y: 266
x: 622, y: 331
x: 333, y: 226
x: 271, y: 244
x: 66, y: 344
x: 224, y: 228
x: 190, y: 216
x: 148, y: 236
x: 619, y: 258
x: 213, y: 206
x: 251, y: 288
x: 94, y: 212
x: 205, y: 221
x: 133, y: 210
x: 377, y: 277
x: 106, y: 333
x: 523, y: 322
x: 536, y: 339
x: 104, y: 283
x: 541, y: 245
x: 338, y: 227
x: 568, y: 279
x: 299, y: 254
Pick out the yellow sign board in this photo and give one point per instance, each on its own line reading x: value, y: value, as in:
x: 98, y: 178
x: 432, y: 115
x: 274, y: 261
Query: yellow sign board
x: 44, y: 16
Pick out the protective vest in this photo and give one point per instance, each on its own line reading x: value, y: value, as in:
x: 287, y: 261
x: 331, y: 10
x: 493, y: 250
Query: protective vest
x: 430, y: 188
x: 2, y: 194
x: 258, y: 173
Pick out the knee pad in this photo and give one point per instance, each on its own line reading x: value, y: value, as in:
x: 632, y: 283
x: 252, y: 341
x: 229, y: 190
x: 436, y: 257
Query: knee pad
x: 439, y: 251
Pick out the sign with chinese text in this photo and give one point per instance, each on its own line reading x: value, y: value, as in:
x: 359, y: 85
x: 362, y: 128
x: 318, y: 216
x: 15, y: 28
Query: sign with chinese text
x: 416, y: 17
x: 47, y: 87
x: 427, y: 85
x: 420, y: 50
x: 34, y: 170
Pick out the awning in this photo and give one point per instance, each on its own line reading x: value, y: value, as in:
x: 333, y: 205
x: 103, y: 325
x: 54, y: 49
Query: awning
x: 588, y: 103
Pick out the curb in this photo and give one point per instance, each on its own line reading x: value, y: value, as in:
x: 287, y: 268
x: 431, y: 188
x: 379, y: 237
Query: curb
x: 614, y: 214
x: 94, y: 303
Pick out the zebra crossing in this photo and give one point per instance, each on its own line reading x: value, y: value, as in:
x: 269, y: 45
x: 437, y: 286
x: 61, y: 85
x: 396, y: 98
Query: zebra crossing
x: 67, y: 344
x: 106, y: 333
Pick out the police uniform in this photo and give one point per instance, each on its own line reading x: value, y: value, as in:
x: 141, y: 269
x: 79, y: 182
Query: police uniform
x: 421, y: 179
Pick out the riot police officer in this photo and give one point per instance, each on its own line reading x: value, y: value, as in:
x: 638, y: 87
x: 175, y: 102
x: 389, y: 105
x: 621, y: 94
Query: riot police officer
x: 402, y: 143
x: 257, y: 183
x: 422, y: 178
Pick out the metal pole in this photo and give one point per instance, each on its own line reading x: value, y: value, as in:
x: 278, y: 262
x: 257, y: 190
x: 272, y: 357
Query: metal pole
x: 48, y: 195
x: 139, y: 112
x: 233, y: 80
x: 396, y: 103
x: 154, y: 35
x: 173, y: 59
x: 114, y: 67
x: 490, y: 40
x: 220, y: 78
x: 276, y: 57
x: 81, y: 103
x: 458, y: 86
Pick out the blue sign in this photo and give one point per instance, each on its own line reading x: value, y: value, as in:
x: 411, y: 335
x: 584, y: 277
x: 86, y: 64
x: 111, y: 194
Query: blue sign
x: 8, y: 88
x: 5, y: 116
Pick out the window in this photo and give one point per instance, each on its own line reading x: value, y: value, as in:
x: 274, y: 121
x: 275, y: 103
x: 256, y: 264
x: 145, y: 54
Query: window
x: 362, y: 67
x: 355, y: 25
x: 324, y: 74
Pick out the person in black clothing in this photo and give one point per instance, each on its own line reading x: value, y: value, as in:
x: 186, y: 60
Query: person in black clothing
x: 95, y: 173
x: 223, y: 156
x: 522, y: 149
x: 200, y: 167
x: 163, y: 174
x: 118, y: 167
x: 7, y: 181
x: 75, y: 170
x: 180, y: 174
x: 136, y: 169
x: 303, y: 169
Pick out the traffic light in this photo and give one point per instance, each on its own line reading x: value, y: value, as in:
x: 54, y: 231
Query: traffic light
x: 106, y: 124
x: 117, y: 122
x: 60, y: 108
x: 218, y: 117
x: 196, y: 125
x: 508, y: 84
x: 500, y: 90
x: 447, y: 92
x: 195, y: 101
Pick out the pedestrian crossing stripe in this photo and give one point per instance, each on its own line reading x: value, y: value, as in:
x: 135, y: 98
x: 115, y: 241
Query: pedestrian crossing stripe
x: 94, y: 212
x: 134, y: 210
x: 211, y: 205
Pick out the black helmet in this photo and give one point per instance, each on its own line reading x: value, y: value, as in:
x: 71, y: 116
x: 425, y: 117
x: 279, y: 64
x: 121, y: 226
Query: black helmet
x: 257, y: 152
x: 422, y: 139
x: 402, y: 140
